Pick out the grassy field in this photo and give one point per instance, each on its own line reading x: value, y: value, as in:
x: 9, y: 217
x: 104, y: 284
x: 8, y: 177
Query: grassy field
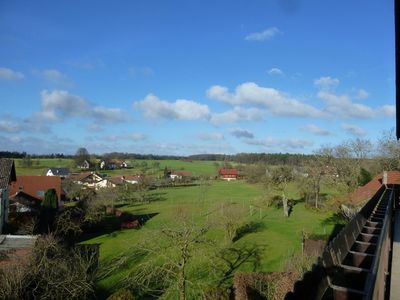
x: 198, y: 168
x: 276, y: 237
x: 40, y: 166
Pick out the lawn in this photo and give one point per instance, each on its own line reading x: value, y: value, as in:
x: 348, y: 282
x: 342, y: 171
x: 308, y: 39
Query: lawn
x: 198, y: 168
x: 276, y: 237
x: 40, y: 166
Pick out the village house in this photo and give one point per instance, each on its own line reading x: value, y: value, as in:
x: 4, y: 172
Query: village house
x: 7, y: 176
x: 61, y: 172
x: 228, y: 174
x: 27, y: 192
x: 89, y: 179
x: 180, y: 174
x: 115, y: 164
x: 131, y: 179
x: 85, y: 165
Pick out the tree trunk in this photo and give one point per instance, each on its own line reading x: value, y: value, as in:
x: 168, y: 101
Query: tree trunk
x: 285, y: 206
x: 316, y: 197
x: 182, y: 275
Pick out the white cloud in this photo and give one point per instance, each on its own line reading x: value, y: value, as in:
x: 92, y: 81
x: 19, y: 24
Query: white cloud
x: 264, y: 35
x: 275, y: 71
x: 242, y: 133
x: 211, y: 136
x: 11, y: 75
x: 276, y: 102
x: 137, y: 136
x: 94, y: 127
x: 181, y: 109
x: 326, y: 82
x: 9, y: 126
x: 317, y: 130
x: 58, y: 105
x: 353, y: 129
x: 281, y: 144
x: 362, y: 94
x: 54, y: 76
x: 237, y: 114
x: 342, y: 106
x: 111, y: 115
x: 388, y: 110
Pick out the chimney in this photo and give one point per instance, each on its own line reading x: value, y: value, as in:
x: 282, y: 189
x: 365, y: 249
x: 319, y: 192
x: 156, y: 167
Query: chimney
x: 385, y: 178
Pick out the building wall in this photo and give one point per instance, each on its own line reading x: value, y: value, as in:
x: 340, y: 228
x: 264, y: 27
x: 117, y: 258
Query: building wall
x: 3, y: 208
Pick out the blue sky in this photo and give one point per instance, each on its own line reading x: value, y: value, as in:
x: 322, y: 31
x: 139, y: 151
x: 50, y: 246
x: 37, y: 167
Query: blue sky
x: 187, y: 77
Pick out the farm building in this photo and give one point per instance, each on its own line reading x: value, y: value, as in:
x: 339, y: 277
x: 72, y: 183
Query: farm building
x: 31, y: 189
x: 228, y: 174
x: 61, y: 172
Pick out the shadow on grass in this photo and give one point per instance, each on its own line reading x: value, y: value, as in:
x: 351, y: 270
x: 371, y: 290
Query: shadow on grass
x: 338, y: 221
x: 112, y: 224
x: 247, y: 228
x: 120, y: 263
x: 233, y: 258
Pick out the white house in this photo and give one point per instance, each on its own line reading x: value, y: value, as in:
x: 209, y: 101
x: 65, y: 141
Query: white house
x: 61, y: 172
x: 85, y: 165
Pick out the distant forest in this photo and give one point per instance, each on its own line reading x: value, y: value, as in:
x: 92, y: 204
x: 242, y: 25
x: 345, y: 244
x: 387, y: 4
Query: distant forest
x: 245, y: 158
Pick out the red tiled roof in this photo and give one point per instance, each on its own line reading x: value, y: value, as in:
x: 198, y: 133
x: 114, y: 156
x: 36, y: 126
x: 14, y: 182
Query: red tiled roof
x: 228, y: 172
x: 31, y: 185
x: 365, y: 192
x: 182, y: 173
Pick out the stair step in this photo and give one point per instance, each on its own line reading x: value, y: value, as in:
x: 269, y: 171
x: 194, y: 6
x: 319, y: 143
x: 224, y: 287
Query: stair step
x: 364, y: 247
x: 359, y: 260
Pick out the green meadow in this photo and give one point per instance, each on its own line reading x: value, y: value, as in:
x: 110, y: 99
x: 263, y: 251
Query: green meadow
x: 198, y: 168
x: 276, y: 237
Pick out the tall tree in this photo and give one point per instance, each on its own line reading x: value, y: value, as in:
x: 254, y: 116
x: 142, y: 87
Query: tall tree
x: 279, y: 179
x: 81, y: 155
x: 318, y: 169
x: 167, y: 258
x: 50, y: 199
x: 389, y: 151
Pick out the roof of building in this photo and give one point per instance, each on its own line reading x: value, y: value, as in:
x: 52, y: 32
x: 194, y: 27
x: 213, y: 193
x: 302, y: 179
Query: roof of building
x: 224, y: 171
x: 7, y: 172
x: 118, y: 180
x: 365, y: 192
x: 182, y: 173
x: 21, y: 246
x: 59, y: 171
x: 32, y: 185
x: 25, y: 199
x: 84, y: 175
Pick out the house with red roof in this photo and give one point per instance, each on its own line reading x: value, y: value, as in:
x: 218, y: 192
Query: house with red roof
x: 31, y: 189
x: 365, y: 192
x: 228, y: 174
x: 180, y: 174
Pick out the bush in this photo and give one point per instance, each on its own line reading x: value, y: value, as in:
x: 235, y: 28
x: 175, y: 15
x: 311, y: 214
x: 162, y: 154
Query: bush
x: 52, y: 272
x: 122, y: 294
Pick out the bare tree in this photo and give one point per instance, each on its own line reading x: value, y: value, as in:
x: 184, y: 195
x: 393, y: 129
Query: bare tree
x: 389, y: 151
x: 230, y: 217
x: 81, y: 155
x: 52, y: 272
x: 317, y: 170
x: 279, y: 180
x: 165, y: 262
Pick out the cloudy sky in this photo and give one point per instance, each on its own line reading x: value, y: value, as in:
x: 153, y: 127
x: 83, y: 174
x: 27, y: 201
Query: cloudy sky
x: 186, y: 77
